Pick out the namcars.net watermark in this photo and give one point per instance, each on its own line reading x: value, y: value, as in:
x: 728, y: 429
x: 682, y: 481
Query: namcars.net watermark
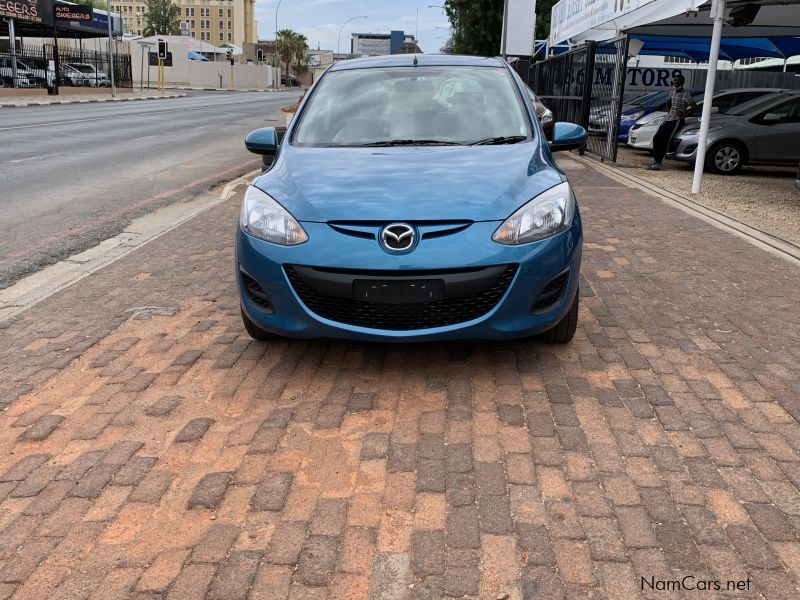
x: 691, y: 583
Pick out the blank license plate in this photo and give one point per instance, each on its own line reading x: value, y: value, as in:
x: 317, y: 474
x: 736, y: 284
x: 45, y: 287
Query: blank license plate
x: 406, y: 291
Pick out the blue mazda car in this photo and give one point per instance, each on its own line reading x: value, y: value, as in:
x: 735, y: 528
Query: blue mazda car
x: 412, y: 198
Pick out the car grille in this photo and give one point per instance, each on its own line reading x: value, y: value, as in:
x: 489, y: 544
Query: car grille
x: 402, y: 317
x: 551, y: 293
x: 256, y: 293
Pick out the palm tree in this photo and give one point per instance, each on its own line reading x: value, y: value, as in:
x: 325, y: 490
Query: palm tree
x: 301, y: 45
x: 286, y: 44
x: 291, y: 46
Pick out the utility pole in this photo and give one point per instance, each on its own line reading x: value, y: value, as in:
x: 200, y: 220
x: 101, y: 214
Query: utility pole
x: 276, y: 74
x: 110, y: 51
x: 12, y: 39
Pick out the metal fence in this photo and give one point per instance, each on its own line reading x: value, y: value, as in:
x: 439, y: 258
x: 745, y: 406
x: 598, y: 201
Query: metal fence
x: 76, y: 67
x: 606, y: 91
x: 595, y: 102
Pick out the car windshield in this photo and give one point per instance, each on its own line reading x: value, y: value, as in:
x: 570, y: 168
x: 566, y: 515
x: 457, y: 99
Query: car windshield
x: 409, y: 105
x: 83, y: 68
x: 755, y: 104
x: 642, y: 99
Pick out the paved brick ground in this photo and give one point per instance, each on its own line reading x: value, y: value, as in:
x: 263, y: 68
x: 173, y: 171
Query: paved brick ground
x: 149, y: 449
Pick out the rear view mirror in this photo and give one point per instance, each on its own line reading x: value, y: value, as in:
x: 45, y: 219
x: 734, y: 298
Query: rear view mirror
x: 568, y: 136
x: 262, y: 141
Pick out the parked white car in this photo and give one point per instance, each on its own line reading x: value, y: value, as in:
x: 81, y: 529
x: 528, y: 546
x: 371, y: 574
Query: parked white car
x: 94, y: 77
x: 24, y: 75
x: 641, y: 134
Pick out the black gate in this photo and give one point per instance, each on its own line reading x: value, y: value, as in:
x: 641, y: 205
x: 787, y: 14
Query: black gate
x: 594, y: 102
x: 76, y: 67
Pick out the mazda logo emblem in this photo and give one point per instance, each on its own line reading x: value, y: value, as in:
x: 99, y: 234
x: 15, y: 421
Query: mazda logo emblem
x: 398, y: 237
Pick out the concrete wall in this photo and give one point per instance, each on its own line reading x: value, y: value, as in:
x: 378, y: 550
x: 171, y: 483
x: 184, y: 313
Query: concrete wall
x: 200, y: 74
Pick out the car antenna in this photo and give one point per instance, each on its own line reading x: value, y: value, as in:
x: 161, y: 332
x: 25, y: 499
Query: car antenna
x: 416, y: 38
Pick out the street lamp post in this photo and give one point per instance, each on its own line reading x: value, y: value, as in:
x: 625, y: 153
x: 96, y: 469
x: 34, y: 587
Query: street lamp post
x: 339, y: 41
x: 275, y: 75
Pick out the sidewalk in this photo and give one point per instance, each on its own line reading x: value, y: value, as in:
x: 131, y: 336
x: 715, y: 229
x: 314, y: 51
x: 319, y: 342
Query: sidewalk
x: 149, y: 448
x: 67, y: 98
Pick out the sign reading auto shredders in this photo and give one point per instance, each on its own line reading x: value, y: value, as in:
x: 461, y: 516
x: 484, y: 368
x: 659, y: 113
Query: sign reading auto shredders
x: 72, y: 12
x: 26, y: 10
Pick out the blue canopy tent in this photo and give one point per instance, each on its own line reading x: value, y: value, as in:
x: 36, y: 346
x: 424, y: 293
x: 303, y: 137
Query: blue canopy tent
x: 699, y: 48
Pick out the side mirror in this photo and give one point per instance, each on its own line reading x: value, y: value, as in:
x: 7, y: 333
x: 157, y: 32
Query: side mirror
x: 771, y: 117
x: 262, y: 141
x: 714, y: 109
x: 568, y: 136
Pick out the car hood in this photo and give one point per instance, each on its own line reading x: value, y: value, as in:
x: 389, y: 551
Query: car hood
x: 429, y: 183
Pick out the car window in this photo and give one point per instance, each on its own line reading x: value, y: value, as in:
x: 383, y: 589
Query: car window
x: 366, y: 106
x: 788, y: 112
x: 755, y: 104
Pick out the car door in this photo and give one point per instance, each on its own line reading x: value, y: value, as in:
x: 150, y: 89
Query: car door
x: 778, y: 132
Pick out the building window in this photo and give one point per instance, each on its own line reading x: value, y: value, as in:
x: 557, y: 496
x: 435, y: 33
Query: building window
x: 229, y: 25
x: 221, y: 37
x: 221, y: 24
x: 229, y: 13
x: 220, y: 12
x: 230, y: 36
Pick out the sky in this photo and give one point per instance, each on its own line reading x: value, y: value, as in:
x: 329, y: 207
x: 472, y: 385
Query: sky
x: 320, y: 20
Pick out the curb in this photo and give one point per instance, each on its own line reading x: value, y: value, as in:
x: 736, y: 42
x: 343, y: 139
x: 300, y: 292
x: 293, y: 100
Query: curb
x: 758, y: 237
x: 89, y: 100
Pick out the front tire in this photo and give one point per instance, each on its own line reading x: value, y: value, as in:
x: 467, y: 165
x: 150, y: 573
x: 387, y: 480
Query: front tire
x: 725, y: 158
x: 254, y: 331
x: 565, y: 330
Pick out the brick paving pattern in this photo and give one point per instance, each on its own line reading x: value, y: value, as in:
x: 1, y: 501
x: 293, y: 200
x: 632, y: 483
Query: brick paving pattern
x: 169, y: 456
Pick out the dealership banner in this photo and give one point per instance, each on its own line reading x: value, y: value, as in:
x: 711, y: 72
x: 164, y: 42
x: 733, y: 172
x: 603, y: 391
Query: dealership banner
x: 72, y: 12
x: 35, y: 11
x: 520, y: 27
x: 571, y: 17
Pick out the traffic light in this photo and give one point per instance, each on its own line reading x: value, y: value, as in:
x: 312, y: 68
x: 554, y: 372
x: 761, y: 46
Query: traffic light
x: 260, y: 55
x: 162, y: 49
x: 230, y: 56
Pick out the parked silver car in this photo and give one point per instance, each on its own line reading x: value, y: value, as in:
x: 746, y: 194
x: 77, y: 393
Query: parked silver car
x: 763, y: 131
x: 644, y: 130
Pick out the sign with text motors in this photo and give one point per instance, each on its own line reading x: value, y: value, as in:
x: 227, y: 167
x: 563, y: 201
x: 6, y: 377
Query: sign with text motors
x: 72, y: 12
x: 35, y: 11
x: 520, y: 27
x: 568, y: 18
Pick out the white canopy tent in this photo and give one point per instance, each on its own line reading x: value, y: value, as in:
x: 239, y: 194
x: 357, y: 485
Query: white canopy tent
x: 577, y: 21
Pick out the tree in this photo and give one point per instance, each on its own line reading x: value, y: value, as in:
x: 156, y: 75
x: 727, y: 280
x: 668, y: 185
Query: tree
x: 292, y: 46
x: 478, y: 24
x: 162, y: 18
x: 300, y: 47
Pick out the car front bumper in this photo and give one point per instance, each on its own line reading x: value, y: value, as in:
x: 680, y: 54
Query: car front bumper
x: 288, y: 314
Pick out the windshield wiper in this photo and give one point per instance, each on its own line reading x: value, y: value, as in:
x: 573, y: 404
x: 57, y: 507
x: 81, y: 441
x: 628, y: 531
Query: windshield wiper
x: 412, y: 143
x: 505, y: 139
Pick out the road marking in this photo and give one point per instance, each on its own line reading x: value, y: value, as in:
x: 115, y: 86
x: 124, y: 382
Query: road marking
x: 116, y: 116
x: 40, y: 285
x: 127, y: 209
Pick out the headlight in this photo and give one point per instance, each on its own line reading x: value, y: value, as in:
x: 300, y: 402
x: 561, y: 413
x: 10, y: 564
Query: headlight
x: 657, y: 122
x: 549, y: 213
x: 633, y: 116
x: 265, y: 219
x: 696, y: 131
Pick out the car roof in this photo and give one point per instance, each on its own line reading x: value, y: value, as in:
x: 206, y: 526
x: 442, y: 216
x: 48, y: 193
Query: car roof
x: 423, y: 60
x: 751, y: 89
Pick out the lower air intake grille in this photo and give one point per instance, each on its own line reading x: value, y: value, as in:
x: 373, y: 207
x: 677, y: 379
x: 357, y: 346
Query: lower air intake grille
x: 256, y: 294
x: 551, y: 294
x: 402, y: 317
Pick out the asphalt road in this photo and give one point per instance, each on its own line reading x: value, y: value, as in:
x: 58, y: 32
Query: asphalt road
x: 74, y: 175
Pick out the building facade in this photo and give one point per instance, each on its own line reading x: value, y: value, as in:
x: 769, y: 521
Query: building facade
x: 214, y: 21
x: 378, y: 44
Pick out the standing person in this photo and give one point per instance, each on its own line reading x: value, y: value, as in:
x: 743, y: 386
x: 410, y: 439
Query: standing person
x: 679, y: 106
